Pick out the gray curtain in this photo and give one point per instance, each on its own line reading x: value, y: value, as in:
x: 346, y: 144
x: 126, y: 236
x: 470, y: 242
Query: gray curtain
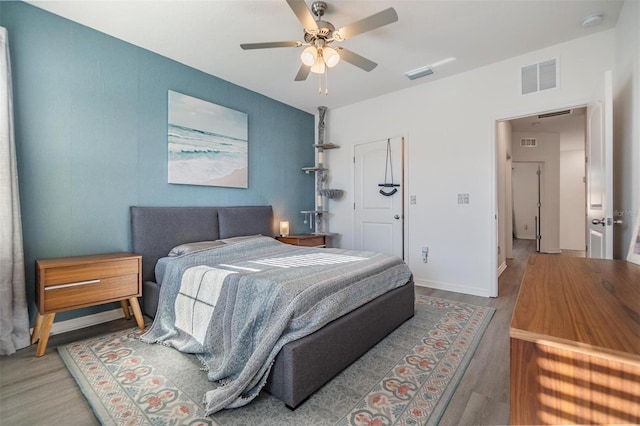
x: 14, y: 317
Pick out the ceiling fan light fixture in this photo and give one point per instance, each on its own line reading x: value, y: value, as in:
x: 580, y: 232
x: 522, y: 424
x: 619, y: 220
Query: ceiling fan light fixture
x: 309, y: 56
x: 331, y: 56
x: 318, y: 66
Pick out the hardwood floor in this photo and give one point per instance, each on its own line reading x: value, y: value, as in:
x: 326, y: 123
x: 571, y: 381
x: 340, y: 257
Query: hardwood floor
x: 40, y: 391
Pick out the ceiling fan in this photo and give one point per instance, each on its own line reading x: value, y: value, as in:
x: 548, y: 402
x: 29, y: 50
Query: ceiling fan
x: 320, y: 34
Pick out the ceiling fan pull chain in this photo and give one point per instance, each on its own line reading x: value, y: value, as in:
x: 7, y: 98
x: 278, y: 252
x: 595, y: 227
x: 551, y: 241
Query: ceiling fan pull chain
x: 326, y: 81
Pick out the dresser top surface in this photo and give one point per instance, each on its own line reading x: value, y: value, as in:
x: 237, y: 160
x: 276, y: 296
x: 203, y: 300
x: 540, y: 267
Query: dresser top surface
x: 588, y: 303
x: 74, y: 260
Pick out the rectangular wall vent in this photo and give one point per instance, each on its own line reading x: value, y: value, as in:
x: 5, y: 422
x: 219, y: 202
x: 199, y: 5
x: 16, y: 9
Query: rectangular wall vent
x: 528, y: 142
x: 539, y: 77
x: 555, y: 113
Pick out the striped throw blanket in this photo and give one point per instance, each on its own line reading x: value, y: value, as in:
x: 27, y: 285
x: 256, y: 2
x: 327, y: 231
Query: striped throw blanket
x: 236, y: 306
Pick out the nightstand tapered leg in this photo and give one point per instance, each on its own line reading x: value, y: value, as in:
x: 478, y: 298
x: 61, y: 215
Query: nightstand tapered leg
x: 37, y: 328
x: 137, y: 313
x: 125, y: 309
x: 47, y: 322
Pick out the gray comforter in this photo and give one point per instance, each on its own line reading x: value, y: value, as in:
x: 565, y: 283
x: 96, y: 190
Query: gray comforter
x: 237, y: 305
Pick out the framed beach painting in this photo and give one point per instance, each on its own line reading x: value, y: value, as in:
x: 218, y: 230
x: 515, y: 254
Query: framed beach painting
x: 634, y: 245
x: 208, y: 143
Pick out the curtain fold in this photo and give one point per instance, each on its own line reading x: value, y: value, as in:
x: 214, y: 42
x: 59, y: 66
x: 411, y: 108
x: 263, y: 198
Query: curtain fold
x: 14, y: 317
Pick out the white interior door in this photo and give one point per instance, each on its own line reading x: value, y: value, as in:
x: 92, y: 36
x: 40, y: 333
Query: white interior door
x: 526, y: 193
x: 379, y: 218
x: 600, y: 175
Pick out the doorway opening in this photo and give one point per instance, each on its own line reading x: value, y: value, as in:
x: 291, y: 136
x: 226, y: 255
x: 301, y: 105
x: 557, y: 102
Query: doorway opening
x: 557, y: 142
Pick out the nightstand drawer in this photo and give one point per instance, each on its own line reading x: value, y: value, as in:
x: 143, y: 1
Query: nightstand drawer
x: 88, y: 271
x: 87, y: 293
x: 311, y: 242
x: 307, y: 240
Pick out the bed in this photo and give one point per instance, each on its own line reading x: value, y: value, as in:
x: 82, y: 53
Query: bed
x: 301, y: 366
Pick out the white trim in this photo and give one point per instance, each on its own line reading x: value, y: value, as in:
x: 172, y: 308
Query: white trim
x: 85, y: 321
x: 552, y: 251
x: 456, y: 288
x: 501, y: 268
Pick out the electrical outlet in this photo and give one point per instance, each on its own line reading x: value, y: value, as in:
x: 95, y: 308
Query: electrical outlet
x: 412, y: 199
x: 425, y: 254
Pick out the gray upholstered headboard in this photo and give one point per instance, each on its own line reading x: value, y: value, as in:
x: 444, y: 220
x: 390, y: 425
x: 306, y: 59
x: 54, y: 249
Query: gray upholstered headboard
x: 156, y: 230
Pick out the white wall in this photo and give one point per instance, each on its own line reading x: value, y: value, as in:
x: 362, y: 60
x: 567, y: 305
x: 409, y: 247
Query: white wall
x: 572, y: 200
x: 450, y: 130
x: 572, y: 185
x: 626, y: 129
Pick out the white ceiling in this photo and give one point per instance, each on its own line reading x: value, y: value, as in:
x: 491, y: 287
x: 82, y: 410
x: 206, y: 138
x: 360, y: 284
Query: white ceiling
x: 206, y: 35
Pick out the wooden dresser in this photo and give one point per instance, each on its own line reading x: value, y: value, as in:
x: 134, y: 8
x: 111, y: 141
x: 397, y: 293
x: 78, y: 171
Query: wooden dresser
x: 75, y: 282
x: 575, y: 342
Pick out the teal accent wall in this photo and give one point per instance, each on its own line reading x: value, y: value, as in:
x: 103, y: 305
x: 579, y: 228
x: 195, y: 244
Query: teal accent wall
x: 91, y: 139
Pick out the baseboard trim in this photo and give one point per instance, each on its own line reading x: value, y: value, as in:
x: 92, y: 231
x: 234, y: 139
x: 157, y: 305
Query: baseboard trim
x: 552, y: 251
x: 85, y: 321
x: 501, y: 268
x: 456, y: 288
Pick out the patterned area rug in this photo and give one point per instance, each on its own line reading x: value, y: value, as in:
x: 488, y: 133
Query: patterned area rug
x: 406, y: 379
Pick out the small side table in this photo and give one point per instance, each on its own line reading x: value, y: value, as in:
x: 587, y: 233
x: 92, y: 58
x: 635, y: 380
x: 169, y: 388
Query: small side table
x: 307, y: 240
x: 76, y: 282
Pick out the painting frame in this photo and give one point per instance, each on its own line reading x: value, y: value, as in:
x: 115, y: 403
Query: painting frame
x: 633, y: 255
x: 207, y: 143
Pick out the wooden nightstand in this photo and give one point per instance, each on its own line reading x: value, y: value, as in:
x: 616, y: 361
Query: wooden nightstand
x: 69, y: 283
x: 308, y: 240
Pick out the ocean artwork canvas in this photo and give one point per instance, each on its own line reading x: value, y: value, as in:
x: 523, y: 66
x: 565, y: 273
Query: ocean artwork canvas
x: 208, y: 143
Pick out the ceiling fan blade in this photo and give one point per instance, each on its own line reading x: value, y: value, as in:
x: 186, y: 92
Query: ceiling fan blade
x: 303, y: 13
x: 303, y: 72
x: 248, y: 46
x: 355, y: 59
x: 372, y: 22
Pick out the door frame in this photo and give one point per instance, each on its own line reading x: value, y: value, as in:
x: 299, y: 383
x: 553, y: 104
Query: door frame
x: 512, y: 114
x: 403, y: 187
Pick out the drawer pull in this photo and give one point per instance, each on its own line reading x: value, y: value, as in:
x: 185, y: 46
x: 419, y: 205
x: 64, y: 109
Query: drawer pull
x: 55, y: 287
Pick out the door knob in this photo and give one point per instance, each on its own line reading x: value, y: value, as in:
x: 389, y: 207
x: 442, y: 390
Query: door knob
x: 396, y: 217
x: 599, y: 222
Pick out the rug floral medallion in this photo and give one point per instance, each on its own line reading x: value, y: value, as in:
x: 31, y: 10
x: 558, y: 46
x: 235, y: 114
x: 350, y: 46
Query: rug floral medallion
x: 407, y: 379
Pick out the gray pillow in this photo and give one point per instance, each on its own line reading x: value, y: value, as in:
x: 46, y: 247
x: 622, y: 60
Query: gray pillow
x: 194, y: 247
x: 234, y: 240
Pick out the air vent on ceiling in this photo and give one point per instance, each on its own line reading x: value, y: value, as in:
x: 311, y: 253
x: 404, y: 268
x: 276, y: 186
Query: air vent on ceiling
x: 528, y: 142
x: 539, y: 77
x: 419, y: 72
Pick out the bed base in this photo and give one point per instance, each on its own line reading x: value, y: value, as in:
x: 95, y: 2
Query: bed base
x: 305, y: 365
